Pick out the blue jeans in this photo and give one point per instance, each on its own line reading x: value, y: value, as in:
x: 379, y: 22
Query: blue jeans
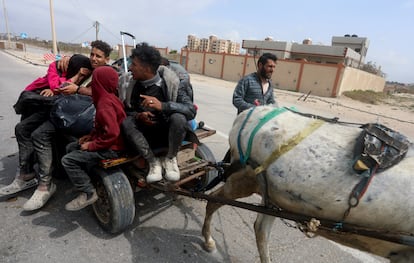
x: 77, y: 163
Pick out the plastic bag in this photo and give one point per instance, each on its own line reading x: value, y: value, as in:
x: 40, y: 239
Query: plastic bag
x: 73, y: 114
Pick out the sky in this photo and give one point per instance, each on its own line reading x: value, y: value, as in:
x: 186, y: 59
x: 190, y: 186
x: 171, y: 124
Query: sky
x: 388, y: 25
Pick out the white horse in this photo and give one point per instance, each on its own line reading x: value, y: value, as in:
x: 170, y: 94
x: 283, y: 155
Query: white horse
x: 308, y: 169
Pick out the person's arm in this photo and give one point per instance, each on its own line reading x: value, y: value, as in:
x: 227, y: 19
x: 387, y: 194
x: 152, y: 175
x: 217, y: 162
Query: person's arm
x: 83, y: 89
x: 184, y: 105
x: 54, y: 78
x: 239, y: 94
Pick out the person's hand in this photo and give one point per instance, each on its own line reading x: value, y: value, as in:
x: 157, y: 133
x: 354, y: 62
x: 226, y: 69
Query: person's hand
x: 85, y: 146
x: 151, y: 102
x: 145, y: 117
x: 84, y: 139
x: 71, y: 88
x: 47, y: 93
x: 256, y: 102
x: 63, y: 64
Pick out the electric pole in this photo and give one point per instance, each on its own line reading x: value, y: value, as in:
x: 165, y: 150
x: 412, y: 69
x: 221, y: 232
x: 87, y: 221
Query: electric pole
x: 7, y: 25
x: 96, y: 25
x: 52, y: 19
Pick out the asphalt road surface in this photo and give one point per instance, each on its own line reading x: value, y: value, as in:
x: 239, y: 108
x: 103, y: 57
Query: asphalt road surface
x: 166, y: 228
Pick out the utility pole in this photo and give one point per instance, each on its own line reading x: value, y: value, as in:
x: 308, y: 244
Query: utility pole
x: 96, y: 25
x: 7, y: 25
x: 52, y: 19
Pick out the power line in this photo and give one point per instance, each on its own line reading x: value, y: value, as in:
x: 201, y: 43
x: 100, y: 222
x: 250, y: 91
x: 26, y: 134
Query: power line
x: 117, y: 37
x: 82, y: 34
x: 77, y: 5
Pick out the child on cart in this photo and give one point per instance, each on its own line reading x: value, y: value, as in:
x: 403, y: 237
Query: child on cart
x: 104, y: 142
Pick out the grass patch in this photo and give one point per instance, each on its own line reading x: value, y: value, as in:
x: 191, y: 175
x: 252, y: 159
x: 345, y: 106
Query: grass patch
x: 376, y: 98
x: 367, y: 96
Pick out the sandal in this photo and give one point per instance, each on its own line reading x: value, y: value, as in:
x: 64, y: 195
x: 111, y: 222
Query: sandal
x: 18, y: 185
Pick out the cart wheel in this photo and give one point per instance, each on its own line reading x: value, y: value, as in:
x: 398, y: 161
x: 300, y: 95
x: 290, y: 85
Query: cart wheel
x: 204, y: 153
x: 115, y: 208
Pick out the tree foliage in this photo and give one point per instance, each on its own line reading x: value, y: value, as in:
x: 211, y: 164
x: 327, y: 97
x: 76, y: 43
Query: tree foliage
x: 371, y: 67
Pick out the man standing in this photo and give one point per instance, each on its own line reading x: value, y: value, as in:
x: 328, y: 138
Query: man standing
x: 256, y: 89
x: 159, y: 113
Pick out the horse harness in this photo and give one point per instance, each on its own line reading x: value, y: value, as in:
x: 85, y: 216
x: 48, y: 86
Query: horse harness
x: 378, y: 148
x: 381, y: 148
x: 260, y: 169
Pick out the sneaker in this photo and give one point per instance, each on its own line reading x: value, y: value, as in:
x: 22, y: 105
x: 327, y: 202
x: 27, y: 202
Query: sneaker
x: 81, y: 201
x: 172, y: 173
x: 155, y: 171
x: 39, y: 198
x: 18, y: 185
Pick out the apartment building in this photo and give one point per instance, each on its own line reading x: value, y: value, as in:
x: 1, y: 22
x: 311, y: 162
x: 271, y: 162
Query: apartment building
x: 212, y: 44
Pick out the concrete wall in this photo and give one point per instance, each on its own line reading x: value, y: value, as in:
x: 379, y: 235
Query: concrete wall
x: 319, y: 79
x: 355, y: 79
x: 286, y: 75
x: 233, y: 67
x: 213, y: 65
x: 11, y: 45
x: 326, y: 80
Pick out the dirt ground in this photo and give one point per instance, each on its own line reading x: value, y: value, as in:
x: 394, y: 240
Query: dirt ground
x: 395, y: 114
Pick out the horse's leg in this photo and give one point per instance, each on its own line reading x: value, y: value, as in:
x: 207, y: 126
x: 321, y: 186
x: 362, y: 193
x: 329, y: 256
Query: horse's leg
x: 240, y: 184
x: 209, y: 243
x: 262, y: 228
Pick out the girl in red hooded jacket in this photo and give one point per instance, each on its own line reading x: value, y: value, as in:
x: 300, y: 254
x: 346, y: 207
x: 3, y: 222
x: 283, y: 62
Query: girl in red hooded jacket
x: 103, y: 142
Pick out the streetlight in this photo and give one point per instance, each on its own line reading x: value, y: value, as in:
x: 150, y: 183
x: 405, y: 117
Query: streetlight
x: 52, y: 19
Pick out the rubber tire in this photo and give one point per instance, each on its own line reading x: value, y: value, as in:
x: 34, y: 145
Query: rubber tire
x: 204, y: 153
x: 115, y: 208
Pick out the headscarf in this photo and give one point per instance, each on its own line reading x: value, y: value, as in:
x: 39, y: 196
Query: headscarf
x: 104, y: 82
x: 76, y: 62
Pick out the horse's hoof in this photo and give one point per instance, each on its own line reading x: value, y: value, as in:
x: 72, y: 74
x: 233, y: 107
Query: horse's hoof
x: 210, y: 246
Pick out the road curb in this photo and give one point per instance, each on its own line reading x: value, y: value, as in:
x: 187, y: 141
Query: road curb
x: 24, y: 59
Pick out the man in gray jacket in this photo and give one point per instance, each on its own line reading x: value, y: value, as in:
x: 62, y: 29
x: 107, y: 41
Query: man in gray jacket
x: 158, y: 113
x: 256, y: 89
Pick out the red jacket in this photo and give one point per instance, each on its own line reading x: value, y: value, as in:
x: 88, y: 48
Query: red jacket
x: 109, y: 111
x: 53, y: 79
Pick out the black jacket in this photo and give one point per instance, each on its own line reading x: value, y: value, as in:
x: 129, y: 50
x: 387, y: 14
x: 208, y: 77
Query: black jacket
x: 176, y: 98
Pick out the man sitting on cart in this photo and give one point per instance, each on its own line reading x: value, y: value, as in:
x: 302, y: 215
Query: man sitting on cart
x: 159, y: 113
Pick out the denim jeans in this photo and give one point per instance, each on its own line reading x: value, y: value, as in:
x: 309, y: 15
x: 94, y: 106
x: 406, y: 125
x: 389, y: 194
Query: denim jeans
x: 142, y: 138
x: 23, y: 132
x: 76, y: 163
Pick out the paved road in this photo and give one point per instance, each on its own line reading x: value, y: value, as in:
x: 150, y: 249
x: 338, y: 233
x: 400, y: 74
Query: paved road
x: 166, y: 228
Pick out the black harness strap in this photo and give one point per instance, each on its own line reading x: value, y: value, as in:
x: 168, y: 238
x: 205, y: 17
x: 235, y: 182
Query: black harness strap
x: 376, y: 131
